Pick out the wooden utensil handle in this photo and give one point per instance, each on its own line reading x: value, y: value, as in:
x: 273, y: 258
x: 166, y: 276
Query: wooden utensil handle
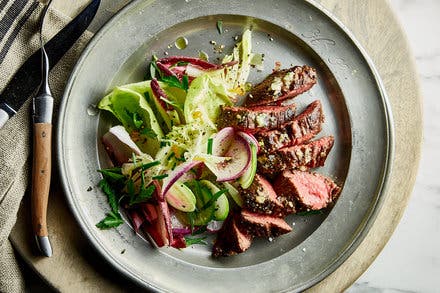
x: 41, y: 174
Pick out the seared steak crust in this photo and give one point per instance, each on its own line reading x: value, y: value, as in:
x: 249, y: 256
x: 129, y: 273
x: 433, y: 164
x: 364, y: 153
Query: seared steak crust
x: 261, y: 198
x: 281, y: 85
x: 260, y: 225
x: 299, y: 191
x: 302, y: 157
x: 303, y: 128
x: 256, y: 118
x: 230, y: 239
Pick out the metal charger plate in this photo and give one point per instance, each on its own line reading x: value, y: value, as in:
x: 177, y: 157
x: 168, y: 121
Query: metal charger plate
x: 357, y: 114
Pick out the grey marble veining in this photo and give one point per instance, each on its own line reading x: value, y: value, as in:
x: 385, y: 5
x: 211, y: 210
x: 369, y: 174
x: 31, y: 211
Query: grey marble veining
x: 410, y: 262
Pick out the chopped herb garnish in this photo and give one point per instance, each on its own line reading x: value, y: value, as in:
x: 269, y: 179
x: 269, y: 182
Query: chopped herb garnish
x: 149, y: 165
x: 193, y: 240
x: 214, y: 198
x: 111, y: 194
x: 220, y: 26
x: 130, y: 188
x: 160, y: 177
x: 210, y: 141
x: 113, y: 174
x: 148, y: 132
x: 133, y: 158
x: 172, y: 103
x: 180, y: 63
x: 154, y: 70
x: 111, y: 220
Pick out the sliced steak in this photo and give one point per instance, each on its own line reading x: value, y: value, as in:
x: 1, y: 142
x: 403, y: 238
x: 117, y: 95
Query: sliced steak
x: 260, y: 225
x: 302, y: 157
x: 282, y: 84
x: 261, y: 198
x: 256, y: 118
x: 303, y: 128
x: 230, y: 239
x: 298, y: 190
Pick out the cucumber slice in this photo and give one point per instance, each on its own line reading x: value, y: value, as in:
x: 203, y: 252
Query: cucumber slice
x: 221, y: 205
x: 180, y: 197
x: 248, y: 177
x: 234, y: 193
x: 203, y: 217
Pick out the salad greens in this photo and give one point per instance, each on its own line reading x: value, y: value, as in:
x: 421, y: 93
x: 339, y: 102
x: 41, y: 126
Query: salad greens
x: 172, y: 119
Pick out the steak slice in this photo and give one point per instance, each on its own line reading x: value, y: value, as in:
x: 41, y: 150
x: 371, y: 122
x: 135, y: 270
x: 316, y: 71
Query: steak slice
x: 282, y: 84
x: 261, y: 198
x: 298, y: 190
x: 256, y: 118
x: 303, y: 128
x: 260, y: 225
x: 302, y: 157
x: 230, y: 239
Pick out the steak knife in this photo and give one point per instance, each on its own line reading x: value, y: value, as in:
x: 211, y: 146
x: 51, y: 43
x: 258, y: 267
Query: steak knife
x: 27, y: 79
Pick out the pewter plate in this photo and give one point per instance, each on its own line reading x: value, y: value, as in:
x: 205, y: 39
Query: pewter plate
x: 291, y: 32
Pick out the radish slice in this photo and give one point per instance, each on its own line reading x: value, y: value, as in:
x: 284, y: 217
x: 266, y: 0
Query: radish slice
x: 234, y: 164
x: 176, y: 174
x: 214, y: 226
x: 119, y: 145
x: 250, y: 139
x: 222, y: 141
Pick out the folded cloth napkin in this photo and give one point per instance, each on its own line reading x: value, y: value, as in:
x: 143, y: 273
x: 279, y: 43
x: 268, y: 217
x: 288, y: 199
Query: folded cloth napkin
x: 19, y: 38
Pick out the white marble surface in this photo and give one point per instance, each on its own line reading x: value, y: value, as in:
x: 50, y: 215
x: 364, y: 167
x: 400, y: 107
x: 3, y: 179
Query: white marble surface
x: 410, y: 262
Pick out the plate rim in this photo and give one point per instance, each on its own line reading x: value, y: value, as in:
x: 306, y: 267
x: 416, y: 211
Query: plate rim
x: 367, y: 222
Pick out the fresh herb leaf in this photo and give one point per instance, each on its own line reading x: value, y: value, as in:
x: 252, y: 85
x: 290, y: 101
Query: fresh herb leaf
x: 185, y: 82
x: 111, y: 194
x: 309, y: 213
x: 175, y: 82
x: 144, y: 194
x: 193, y: 240
x: 210, y: 141
x: 135, y: 119
x: 160, y: 177
x: 148, y: 132
x: 112, y: 219
x: 220, y: 26
x: 112, y: 174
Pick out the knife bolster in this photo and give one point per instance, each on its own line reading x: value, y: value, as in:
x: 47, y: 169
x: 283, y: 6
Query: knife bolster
x: 43, y: 109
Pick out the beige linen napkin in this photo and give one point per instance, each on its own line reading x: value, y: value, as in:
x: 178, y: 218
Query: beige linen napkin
x: 18, y: 40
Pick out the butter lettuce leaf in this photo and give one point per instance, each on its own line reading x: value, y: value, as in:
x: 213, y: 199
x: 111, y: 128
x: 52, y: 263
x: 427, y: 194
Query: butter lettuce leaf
x: 136, y: 115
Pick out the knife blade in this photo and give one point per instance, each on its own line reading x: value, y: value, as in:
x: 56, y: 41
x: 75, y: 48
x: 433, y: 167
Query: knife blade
x: 28, y: 77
